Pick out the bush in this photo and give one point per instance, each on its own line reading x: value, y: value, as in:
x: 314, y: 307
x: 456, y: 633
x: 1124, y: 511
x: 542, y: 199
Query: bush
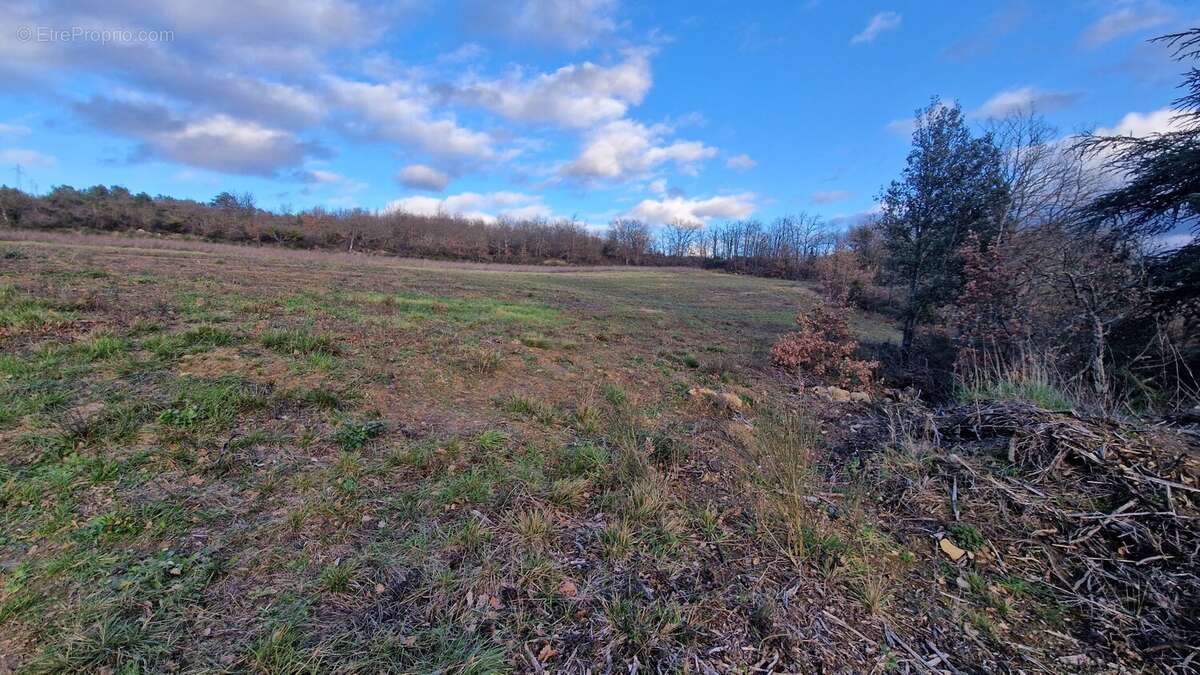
x: 823, y: 347
x: 847, y: 279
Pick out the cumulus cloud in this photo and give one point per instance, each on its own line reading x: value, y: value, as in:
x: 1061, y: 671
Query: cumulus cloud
x: 218, y: 142
x: 881, y: 23
x: 397, y: 111
x: 26, y: 157
x: 325, y: 178
x: 223, y: 143
x: 741, y: 162
x: 829, y: 196
x: 693, y: 211
x: 488, y: 207
x: 1127, y: 17
x: 1142, y: 124
x: 1024, y: 100
x: 624, y: 149
x: 422, y: 177
x: 567, y: 24
x: 577, y: 95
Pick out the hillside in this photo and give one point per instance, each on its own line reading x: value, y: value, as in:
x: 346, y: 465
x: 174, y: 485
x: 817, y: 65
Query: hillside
x: 218, y: 458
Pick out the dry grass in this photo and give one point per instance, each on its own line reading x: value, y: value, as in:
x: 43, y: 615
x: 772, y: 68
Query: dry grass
x: 224, y: 459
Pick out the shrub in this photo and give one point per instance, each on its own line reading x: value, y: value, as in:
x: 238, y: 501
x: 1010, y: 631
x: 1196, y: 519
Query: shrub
x: 823, y: 347
x: 843, y: 278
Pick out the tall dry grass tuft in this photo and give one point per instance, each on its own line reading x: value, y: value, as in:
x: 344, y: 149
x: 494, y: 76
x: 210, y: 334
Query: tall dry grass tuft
x: 784, y: 455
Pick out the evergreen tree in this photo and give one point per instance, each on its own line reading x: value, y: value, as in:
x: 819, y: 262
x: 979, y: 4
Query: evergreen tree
x: 952, y: 186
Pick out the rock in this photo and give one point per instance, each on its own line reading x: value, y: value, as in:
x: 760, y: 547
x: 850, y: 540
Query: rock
x: 838, y: 395
x: 860, y: 397
x: 953, y: 552
x: 732, y: 401
x: 723, y: 401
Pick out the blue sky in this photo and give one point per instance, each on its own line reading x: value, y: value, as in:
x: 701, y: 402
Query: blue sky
x: 587, y: 109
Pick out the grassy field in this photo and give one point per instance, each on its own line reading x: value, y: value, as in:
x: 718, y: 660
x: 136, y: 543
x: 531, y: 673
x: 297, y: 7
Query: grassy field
x: 219, y: 459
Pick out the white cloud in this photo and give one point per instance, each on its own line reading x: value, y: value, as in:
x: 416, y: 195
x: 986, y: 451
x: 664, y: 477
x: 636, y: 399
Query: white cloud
x: 218, y: 142
x: 223, y: 143
x: 741, y: 162
x: 880, y: 23
x: 903, y: 127
x: 13, y: 129
x: 658, y: 186
x: 399, y: 112
x: 624, y: 149
x: 693, y: 211
x: 1141, y: 124
x: 829, y: 196
x: 1024, y: 100
x: 1130, y: 16
x: 25, y: 157
x: 576, y: 96
x: 325, y: 22
x: 324, y: 178
x: 569, y: 24
x: 489, y: 206
x: 422, y: 177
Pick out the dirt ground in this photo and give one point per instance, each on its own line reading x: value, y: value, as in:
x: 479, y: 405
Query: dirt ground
x: 226, y: 459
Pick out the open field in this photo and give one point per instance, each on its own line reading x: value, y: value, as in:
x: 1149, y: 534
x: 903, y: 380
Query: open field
x: 218, y: 459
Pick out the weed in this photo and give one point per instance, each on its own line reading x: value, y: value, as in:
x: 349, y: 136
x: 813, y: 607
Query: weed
x: 336, y: 578
x: 482, y: 360
x: 586, y: 460
x: 569, y: 493
x: 615, y: 395
x: 103, y: 347
x: 492, y: 440
x: 298, y: 342
x: 872, y: 591
x: 616, y: 539
x: 522, y: 405
x: 534, y: 527
x: 354, y: 435
x: 587, y: 418
x: 967, y: 536
x: 643, y: 630
x: 324, y: 399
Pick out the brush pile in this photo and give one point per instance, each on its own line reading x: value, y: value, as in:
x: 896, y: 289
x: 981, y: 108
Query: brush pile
x: 1105, y: 514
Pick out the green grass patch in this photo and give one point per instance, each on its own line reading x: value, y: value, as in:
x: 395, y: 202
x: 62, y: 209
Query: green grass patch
x: 20, y: 311
x: 194, y: 340
x: 354, y: 435
x: 466, y: 310
x: 1041, y: 394
x: 298, y: 341
x: 213, y: 403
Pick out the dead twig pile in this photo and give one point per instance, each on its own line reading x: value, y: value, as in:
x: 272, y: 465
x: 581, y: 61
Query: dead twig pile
x: 1119, y: 512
